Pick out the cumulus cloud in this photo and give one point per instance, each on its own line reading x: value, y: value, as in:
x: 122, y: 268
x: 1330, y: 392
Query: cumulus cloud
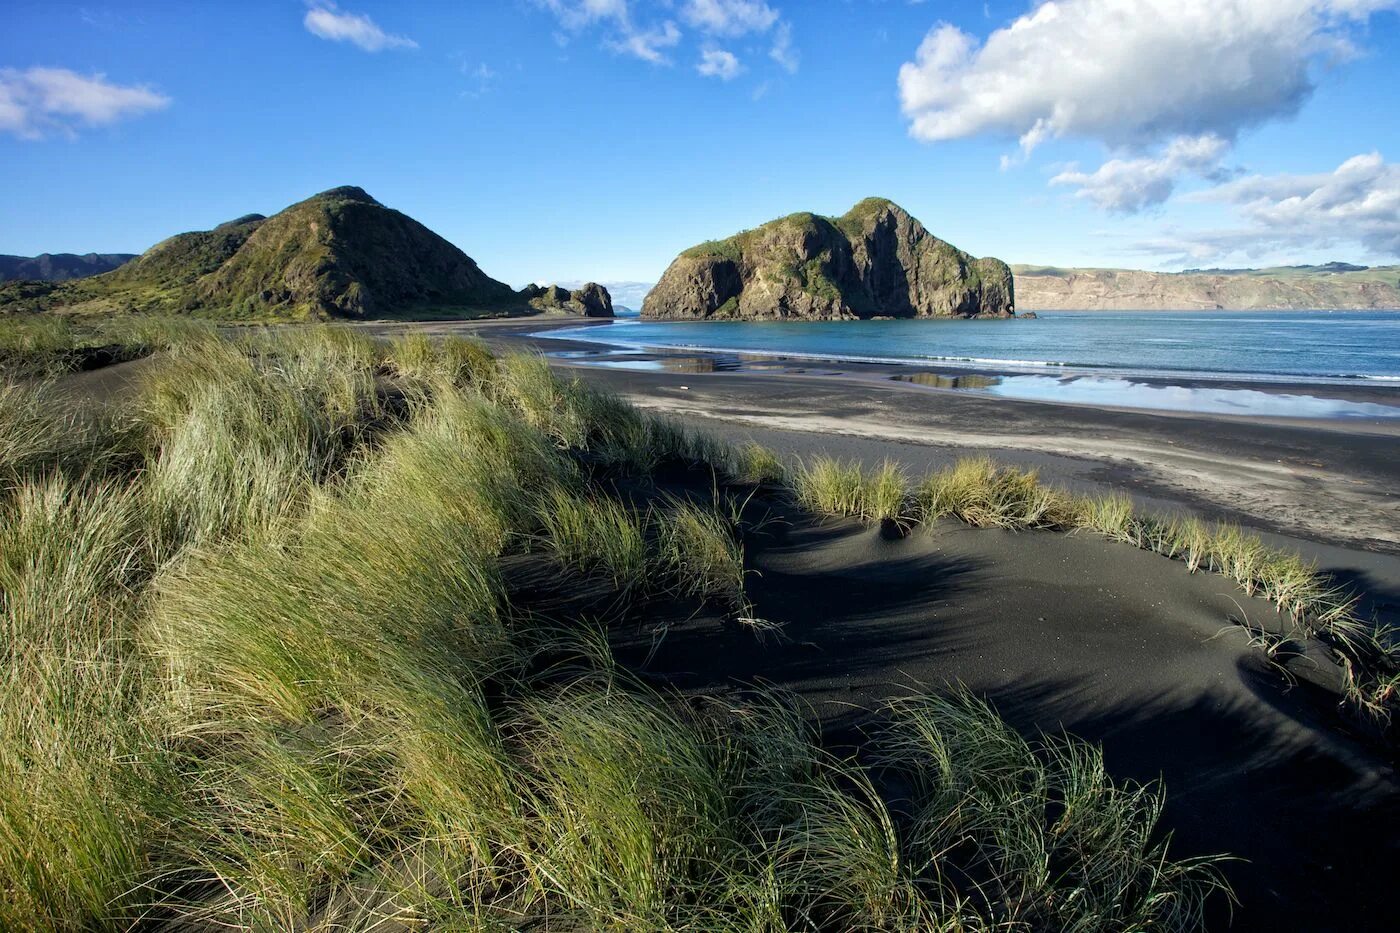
x: 717, y: 63
x: 1357, y: 205
x: 328, y: 22
x: 1130, y: 73
x: 1126, y: 186
x: 36, y: 102
x: 729, y: 17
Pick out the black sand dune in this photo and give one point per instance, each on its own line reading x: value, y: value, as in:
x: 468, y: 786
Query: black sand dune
x: 1074, y: 633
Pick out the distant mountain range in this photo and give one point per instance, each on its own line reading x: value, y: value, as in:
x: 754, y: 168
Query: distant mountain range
x: 339, y: 254
x: 59, y: 267
x: 1332, y: 286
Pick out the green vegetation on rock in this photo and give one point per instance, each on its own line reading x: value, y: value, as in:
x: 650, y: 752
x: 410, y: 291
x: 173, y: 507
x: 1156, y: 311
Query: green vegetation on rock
x: 340, y: 254
x: 873, y: 261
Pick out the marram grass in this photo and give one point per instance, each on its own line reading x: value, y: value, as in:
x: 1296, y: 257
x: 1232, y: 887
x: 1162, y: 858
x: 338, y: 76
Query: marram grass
x: 264, y: 674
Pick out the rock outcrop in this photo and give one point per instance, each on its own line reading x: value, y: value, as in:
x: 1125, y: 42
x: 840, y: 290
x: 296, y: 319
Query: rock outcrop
x: 1331, y: 287
x: 591, y: 300
x: 874, y: 261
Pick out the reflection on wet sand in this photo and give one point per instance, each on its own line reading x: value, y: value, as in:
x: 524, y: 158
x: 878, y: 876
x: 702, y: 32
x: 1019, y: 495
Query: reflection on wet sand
x: 938, y: 381
x: 1117, y: 392
x: 706, y: 363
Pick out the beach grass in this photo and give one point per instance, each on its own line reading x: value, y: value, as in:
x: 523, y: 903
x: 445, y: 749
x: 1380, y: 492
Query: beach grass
x: 701, y: 552
x: 265, y: 672
x: 834, y: 487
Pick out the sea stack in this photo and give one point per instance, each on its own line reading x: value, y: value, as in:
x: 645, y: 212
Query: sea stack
x: 873, y: 261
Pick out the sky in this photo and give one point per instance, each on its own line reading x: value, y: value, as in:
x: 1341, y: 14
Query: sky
x: 566, y: 140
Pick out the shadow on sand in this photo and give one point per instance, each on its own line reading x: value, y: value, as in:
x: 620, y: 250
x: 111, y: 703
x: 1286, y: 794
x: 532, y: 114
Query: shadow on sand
x: 1064, y: 633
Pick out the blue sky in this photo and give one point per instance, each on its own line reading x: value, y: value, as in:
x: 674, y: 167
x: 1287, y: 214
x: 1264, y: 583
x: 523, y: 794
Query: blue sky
x: 594, y: 139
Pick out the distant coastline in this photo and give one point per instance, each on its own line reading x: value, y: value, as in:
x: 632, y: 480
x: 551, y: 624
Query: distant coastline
x: 1329, y: 287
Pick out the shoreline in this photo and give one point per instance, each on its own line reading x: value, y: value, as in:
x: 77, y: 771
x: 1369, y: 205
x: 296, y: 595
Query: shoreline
x: 1327, y: 489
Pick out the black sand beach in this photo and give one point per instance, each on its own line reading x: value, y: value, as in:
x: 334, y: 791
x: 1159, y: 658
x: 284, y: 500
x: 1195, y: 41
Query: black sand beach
x: 1064, y: 632
x: 1074, y: 633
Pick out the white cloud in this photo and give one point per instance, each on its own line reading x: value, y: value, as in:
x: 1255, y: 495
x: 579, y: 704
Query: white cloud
x: 729, y: 17
x: 718, y: 63
x: 328, y: 22
x: 1356, y: 207
x: 645, y: 29
x: 783, y: 52
x: 1130, y: 73
x: 1126, y: 186
x: 39, y: 101
x: 647, y: 44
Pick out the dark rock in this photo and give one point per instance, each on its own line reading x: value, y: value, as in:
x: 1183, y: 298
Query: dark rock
x: 592, y: 300
x: 874, y: 261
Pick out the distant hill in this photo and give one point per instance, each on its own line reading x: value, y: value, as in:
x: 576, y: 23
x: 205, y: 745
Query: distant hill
x: 340, y: 254
x: 59, y: 267
x: 873, y: 261
x: 1332, y: 286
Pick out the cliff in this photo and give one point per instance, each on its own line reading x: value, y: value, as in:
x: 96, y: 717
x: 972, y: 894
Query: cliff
x: 1335, y: 286
x: 874, y: 261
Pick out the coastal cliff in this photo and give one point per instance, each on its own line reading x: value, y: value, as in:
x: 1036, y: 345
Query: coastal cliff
x: 1335, y: 286
x: 874, y: 261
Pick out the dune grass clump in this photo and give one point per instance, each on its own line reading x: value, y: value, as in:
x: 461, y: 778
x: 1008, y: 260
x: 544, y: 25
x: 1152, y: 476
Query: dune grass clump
x: 82, y: 766
x: 757, y: 465
x: 632, y: 819
x: 700, y: 552
x: 241, y: 437
x: 490, y: 470
x: 46, y: 345
x: 1043, y: 838
x: 594, y: 534
x: 460, y: 361
x: 43, y: 432
x: 833, y: 487
x: 986, y: 495
x: 36, y: 344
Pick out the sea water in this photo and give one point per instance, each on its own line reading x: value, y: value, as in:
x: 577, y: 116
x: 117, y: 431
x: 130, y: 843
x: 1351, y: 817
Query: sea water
x: 1100, y: 357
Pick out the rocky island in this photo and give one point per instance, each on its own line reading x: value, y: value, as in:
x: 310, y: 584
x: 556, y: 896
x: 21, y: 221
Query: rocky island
x: 338, y: 254
x: 873, y: 261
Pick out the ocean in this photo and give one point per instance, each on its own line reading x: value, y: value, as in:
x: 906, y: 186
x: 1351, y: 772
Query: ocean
x: 1095, y: 357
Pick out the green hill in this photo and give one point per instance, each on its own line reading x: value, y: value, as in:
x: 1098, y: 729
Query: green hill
x: 340, y: 254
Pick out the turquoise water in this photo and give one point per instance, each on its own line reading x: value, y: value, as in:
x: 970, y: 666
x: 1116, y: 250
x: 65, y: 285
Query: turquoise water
x: 1301, y: 346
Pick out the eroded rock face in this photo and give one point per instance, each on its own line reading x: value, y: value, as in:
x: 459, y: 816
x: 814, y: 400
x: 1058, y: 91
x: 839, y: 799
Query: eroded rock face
x: 592, y: 300
x: 874, y: 261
